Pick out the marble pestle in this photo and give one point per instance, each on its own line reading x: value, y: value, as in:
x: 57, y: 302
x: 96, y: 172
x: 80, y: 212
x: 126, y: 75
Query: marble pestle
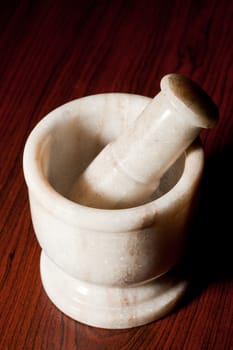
x: 128, y: 171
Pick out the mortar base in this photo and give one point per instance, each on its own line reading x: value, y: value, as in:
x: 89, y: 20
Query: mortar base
x: 111, y: 307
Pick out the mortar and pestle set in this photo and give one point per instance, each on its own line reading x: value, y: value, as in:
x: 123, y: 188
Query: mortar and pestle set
x: 112, y: 182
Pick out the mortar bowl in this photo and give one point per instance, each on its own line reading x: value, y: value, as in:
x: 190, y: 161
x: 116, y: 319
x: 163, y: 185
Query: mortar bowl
x: 106, y: 268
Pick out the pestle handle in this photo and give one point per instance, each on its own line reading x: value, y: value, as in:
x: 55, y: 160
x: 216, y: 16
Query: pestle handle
x: 128, y: 171
x: 188, y: 96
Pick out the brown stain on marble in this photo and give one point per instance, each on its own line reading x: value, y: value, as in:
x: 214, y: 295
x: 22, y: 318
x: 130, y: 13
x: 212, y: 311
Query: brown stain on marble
x: 147, y: 220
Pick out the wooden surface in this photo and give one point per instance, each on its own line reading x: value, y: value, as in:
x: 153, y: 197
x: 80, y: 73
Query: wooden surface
x: 55, y: 51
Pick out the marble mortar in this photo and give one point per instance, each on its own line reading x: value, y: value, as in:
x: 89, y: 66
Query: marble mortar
x: 106, y: 268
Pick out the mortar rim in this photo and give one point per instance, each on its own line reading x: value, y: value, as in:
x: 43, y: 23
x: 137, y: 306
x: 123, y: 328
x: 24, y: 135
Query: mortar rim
x: 103, y: 220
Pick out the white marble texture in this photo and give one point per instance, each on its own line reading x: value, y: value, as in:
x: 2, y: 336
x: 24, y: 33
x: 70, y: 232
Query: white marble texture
x: 103, y: 267
x: 128, y: 170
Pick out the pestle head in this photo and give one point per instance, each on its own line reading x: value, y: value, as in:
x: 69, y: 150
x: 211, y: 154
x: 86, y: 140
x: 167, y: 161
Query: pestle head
x: 185, y: 94
x: 127, y: 171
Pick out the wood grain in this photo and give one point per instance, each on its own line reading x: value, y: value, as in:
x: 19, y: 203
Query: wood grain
x: 55, y: 51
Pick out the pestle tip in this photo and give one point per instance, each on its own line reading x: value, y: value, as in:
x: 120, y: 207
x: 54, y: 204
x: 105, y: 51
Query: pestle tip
x: 183, y: 93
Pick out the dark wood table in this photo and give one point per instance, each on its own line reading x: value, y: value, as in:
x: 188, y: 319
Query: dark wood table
x: 55, y: 51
